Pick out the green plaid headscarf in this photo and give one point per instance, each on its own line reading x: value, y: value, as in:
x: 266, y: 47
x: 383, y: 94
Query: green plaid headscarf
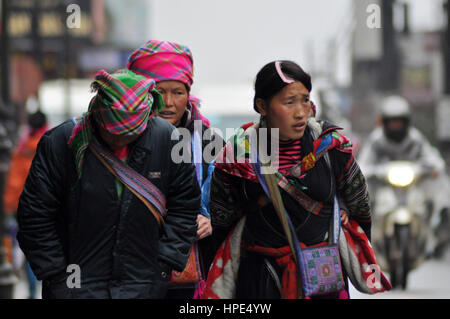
x: 122, y: 106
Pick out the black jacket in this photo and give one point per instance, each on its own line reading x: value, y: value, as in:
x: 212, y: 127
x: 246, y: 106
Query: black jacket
x: 115, y: 241
x: 233, y: 197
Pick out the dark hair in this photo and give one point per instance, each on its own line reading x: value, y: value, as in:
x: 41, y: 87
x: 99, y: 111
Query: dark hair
x: 37, y: 120
x: 268, y: 82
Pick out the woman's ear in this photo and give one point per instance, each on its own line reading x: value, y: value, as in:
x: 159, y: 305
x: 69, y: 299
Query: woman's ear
x: 261, y: 106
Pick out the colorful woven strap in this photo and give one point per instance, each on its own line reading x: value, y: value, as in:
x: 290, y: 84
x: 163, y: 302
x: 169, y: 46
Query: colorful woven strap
x: 147, y: 192
x: 310, y: 205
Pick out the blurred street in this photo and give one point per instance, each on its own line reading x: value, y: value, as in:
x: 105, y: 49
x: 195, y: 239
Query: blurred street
x: 430, y: 281
x: 21, y: 290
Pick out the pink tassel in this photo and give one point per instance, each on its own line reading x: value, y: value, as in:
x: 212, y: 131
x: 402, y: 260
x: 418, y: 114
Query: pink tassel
x: 343, y: 294
x: 201, y: 286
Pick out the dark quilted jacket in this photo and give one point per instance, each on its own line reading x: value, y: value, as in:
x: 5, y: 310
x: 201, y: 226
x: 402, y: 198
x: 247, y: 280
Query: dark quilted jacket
x: 116, y: 242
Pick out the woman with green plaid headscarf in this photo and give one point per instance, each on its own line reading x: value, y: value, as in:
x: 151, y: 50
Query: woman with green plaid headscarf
x: 103, y: 196
x: 121, y: 109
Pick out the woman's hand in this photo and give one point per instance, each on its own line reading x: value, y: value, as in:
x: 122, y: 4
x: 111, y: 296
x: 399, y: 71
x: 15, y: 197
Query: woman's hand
x: 204, y: 227
x: 344, y: 217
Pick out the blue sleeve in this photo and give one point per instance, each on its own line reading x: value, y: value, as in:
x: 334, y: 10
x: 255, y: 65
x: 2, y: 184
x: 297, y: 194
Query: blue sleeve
x: 204, y: 210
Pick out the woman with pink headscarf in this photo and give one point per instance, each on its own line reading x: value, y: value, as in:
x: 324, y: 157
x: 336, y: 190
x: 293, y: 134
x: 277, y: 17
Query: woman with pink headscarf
x: 171, y: 66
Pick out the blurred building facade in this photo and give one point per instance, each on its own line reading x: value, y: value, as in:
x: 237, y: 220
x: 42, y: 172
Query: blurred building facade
x: 68, y: 39
x: 394, y: 59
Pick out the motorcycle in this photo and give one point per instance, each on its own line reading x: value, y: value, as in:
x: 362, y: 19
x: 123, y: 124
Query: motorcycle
x: 402, y: 217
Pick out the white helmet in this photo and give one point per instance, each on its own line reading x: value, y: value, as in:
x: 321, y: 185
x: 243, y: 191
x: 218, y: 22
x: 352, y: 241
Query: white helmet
x: 395, y: 106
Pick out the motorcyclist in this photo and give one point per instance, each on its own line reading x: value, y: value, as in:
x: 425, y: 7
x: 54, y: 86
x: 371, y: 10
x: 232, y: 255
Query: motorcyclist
x: 397, y: 140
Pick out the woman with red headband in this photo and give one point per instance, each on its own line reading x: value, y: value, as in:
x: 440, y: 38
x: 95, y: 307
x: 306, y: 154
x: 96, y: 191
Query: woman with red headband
x: 171, y: 66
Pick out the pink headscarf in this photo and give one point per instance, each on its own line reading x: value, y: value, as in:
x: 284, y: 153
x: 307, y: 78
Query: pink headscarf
x: 167, y: 61
x: 163, y: 61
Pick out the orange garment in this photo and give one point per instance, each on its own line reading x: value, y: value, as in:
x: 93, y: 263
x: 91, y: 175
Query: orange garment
x: 18, y: 172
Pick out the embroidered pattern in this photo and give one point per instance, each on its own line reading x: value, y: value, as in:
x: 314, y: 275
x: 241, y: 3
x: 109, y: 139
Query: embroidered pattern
x: 324, y: 270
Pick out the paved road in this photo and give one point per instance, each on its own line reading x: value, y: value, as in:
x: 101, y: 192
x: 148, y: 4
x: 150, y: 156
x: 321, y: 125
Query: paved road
x: 430, y: 281
x: 21, y: 290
